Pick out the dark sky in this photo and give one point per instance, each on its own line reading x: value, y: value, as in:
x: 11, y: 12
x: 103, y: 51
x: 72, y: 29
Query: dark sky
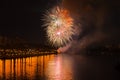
x: 97, y: 15
x: 22, y: 18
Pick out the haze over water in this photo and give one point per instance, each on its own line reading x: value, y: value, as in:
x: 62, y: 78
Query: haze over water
x: 60, y: 67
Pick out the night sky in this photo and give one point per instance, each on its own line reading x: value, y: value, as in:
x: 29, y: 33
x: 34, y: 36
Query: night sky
x: 22, y: 18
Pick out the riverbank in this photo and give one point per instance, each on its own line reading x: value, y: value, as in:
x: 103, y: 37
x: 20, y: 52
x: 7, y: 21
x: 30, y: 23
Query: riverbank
x: 22, y: 53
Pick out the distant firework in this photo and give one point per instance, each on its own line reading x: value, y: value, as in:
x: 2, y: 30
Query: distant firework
x: 59, y: 26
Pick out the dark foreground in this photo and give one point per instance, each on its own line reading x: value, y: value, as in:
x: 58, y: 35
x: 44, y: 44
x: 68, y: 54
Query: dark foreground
x: 61, y: 67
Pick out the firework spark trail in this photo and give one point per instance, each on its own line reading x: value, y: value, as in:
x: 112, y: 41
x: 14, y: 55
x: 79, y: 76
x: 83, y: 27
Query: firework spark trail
x: 59, y: 26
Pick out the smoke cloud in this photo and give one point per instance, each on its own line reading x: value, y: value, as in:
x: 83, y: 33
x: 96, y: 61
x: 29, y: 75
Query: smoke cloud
x: 96, y: 23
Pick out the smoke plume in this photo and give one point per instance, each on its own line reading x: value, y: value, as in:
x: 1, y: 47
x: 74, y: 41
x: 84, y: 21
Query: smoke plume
x: 96, y: 23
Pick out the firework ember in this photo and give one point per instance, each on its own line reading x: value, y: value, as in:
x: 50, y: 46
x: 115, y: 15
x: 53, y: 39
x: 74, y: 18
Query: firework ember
x: 59, y: 26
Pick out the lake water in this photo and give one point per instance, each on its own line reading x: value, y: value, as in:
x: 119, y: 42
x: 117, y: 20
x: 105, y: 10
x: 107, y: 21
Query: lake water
x: 60, y: 67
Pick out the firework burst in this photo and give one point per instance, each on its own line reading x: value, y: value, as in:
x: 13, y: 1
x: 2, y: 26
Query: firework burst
x: 59, y: 26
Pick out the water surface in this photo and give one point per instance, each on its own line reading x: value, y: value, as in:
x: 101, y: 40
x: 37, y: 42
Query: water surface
x: 60, y: 67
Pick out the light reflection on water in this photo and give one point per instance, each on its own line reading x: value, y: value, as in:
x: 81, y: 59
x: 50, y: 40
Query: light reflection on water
x: 60, y: 67
x: 24, y: 68
x: 47, y: 67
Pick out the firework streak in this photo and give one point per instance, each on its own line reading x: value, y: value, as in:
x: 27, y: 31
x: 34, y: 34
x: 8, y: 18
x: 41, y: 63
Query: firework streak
x: 59, y: 26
